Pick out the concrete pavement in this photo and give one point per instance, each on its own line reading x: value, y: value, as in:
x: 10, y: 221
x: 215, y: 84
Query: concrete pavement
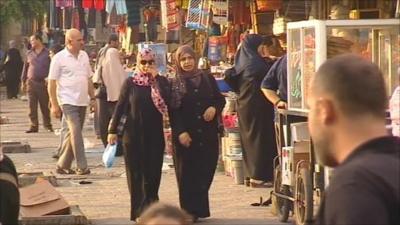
x: 106, y: 199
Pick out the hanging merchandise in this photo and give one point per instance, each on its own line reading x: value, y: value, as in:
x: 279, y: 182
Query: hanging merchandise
x: 120, y: 6
x: 217, y: 49
x: 198, y: 14
x: 64, y: 3
x: 169, y: 15
x: 270, y: 5
x: 133, y: 12
x: 183, y: 4
x: 90, y: 4
x: 220, y: 11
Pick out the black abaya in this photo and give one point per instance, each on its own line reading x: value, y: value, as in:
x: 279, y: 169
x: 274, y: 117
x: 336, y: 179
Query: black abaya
x: 13, y: 69
x: 195, y: 166
x: 143, y: 142
x: 255, y: 112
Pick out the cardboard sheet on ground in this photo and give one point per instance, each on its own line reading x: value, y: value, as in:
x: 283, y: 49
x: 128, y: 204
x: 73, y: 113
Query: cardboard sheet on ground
x: 42, y: 199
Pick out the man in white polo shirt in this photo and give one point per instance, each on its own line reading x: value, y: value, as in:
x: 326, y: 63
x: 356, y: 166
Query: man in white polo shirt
x: 70, y: 88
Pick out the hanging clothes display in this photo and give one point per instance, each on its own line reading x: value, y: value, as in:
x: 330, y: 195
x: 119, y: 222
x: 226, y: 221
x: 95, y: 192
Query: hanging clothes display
x: 220, y: 11
x: 101, y: 32
x: 64, y: 3
x: 96, y: 4
x: 67, y: 18
x: 241, y: 12
x: 152, y: 16
x: 91, y: 17
x: 169, y: 15
x: 55, y: 15
x: 133, y: 12
x: 120, y: 6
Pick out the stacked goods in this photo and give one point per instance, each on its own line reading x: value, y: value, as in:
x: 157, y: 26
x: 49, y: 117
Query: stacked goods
x: 235, y: 146
x: 280, y: 25
x: 217, y: 49
x: 337, y: 46
x: 270, y: 5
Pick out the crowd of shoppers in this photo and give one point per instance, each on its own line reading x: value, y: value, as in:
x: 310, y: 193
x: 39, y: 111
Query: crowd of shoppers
x: 348, y: 133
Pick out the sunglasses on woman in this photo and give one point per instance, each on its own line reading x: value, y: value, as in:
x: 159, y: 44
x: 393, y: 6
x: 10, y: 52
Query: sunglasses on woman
x: 149, y: 62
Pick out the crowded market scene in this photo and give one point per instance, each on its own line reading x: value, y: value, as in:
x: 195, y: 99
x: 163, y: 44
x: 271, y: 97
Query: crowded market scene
x: 176, y: 112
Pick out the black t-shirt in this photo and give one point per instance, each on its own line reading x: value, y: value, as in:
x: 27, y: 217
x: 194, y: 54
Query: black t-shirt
x: 365, y: 188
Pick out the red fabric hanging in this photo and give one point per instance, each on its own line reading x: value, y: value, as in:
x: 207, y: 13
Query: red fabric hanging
x: 97, y: 4
x: 240, y: 12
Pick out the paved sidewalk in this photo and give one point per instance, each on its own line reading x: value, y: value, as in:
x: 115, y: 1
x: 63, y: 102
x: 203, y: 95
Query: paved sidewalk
x: 106, y: 199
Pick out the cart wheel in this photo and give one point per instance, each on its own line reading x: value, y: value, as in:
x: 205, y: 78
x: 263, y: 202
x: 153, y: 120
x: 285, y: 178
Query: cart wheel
x: 282, y: 206
x: 303, y: 204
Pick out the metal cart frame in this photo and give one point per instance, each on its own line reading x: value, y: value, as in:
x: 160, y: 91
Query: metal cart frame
x: 309, y: 177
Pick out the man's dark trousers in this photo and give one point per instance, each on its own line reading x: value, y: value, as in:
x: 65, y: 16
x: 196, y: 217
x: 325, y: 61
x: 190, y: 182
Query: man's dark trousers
x: 37, y: 94
x: 106, y: 110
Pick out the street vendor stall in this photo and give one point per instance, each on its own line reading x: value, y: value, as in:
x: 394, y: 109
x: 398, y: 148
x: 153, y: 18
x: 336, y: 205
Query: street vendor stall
x: 299, y: 181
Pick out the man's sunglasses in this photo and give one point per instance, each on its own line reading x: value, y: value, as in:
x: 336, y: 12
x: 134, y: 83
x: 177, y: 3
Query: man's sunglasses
x: 149, y: 62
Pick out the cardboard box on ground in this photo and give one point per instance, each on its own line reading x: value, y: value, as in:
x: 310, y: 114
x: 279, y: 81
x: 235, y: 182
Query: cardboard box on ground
x: 41, y: 199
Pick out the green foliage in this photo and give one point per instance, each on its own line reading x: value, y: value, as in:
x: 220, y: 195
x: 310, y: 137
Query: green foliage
x: 19, y: 9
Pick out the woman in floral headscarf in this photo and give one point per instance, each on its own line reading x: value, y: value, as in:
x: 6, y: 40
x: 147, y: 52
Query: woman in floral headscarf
x: 143, y: 99
x: 195, y: 105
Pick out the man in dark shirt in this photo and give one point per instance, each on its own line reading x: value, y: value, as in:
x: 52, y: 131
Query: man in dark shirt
x: 34, y: 74
x: 347, y: 123
x: 274, y: 84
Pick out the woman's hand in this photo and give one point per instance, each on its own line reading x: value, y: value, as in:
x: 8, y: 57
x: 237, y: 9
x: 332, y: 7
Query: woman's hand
x: 112, y: 139
x: 209, y: 114
x: 185, y: 139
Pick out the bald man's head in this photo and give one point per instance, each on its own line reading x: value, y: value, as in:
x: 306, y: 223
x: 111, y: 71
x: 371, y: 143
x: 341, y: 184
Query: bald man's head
x: 357, y: 85
x: 74, y: 39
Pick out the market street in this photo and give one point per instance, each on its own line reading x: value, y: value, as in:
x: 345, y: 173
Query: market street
x: 106, y: 199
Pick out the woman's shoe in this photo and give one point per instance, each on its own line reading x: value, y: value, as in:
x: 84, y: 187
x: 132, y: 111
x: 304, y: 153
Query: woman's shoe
x: 260, y: 184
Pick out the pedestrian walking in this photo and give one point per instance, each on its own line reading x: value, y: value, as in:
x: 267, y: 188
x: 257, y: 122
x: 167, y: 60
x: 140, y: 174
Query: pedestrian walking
x: 256, y: 114
x: 70, y: 88
x: 109, y: 76
x: 347, y: 126
x: 196, y: 105
x: 34, y: 75
x: 13, y: 67
x: 63, y: 126
x: 143, y: 103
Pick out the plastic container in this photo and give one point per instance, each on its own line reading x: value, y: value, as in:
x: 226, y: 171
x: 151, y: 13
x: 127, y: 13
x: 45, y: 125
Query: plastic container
x: 238, y: 173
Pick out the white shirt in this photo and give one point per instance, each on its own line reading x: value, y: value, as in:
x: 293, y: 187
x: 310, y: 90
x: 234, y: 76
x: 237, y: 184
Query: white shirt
x: 113, y: 74
x: 72, y: 76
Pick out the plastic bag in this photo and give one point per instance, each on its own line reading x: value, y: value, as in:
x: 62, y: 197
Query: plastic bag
x: 109, y: 155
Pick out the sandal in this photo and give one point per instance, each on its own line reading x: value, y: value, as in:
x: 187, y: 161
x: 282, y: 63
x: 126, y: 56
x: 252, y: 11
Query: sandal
x: 262, y: 184
x: 60, y: 170
x: 82, y: 171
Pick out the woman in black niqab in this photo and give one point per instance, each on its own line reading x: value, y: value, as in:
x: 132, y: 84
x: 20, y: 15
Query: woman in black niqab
x: 256, y: 113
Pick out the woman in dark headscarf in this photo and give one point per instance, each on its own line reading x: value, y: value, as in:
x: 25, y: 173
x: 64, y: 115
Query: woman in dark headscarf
x: 143, y: 100
x: 196, y: 105
x: 13, y: 68
x: 256, y: 114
